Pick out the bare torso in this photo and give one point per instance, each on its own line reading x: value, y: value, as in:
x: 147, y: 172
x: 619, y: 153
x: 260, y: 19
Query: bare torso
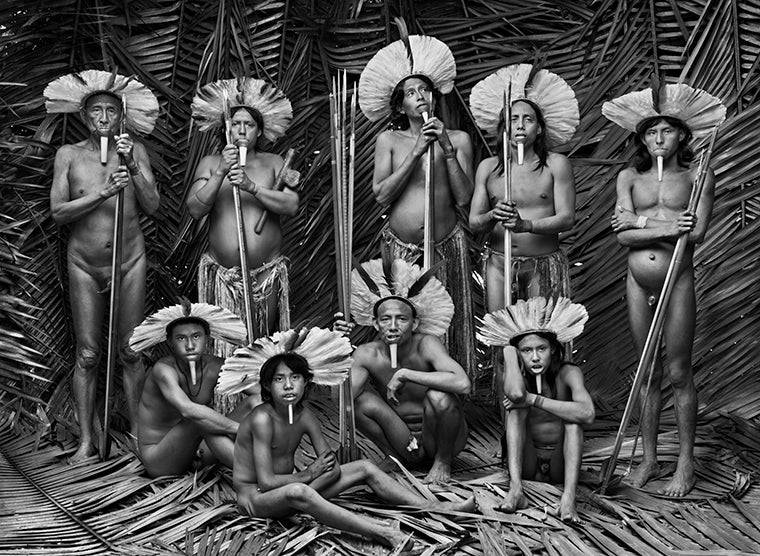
x: 407, y: 213
x: 547, y: 429
x: 262, y: 169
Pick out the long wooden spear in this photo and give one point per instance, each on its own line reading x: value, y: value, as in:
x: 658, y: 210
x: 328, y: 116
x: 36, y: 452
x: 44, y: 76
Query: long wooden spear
x: 507, y: 155
x: 343, y: 147
x: 242, y: 243
x: 113, y: 314
x: 429, y: 218
x: 650, y: 345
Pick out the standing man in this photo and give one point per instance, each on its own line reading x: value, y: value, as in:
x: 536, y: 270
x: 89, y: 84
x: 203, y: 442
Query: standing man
x: 544, y: 114
x: 244, y: 110
x: 546, y: 402
x: 177, y: 428
x: 406, y: 386
x: 86, y: 179
x: 649, y: 216
x: 405, y: 81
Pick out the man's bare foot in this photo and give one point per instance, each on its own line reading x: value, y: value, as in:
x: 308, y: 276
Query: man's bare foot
x: 514, y: 500
x: 439, y: 474
x: 643, y: 472
x: 567, y: 511
x: 468, y: 506
x: 85, y: 451
x: 682, y: 482
x: 400, y: 543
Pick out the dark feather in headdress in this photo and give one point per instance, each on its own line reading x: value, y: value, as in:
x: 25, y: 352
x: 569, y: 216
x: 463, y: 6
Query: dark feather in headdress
x: 404, y: 33
x: 373, y: 287
x: 538, y: 63
x: 186, y: 305
x: 424, y: 278
x: 658, y: 92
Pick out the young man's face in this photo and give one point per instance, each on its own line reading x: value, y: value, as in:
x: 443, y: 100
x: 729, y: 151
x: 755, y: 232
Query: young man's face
x: 418, y: 98
x: 662, y: 139
x: 287, y: 387
x: 102, y: 114
x: 536, y: 353
x: 395, y: 321
x: 525, y: 126
x: 244, y: 126
x: 189, y: 341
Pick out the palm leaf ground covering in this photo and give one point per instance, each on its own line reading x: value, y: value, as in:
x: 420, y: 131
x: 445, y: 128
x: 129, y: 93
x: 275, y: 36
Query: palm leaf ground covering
x: 602, y: 49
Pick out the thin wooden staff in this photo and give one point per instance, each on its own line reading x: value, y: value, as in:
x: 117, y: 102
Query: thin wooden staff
x: 242, y: 243
x: 649, y: 351
x: 115, y: 300
x: 279, y: 184
x: 342, y: 151
x: 429, y: 218
x: 507, y: 155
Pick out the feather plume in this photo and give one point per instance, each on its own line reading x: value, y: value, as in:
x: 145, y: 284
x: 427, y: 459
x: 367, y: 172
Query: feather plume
x: 699, y: 110
x: 328, y: 354
x: 433, y: 303
x: 562, y: 317
x: 69, y: 92
x: 392, y: 64
x: 275, y: 109
x: 547, y: 90
x: 223, y: 324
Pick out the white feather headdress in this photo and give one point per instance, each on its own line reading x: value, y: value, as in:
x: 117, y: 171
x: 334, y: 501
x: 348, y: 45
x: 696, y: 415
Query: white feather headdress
x: 547, y: 90
x: 422, y: 55
x: 69, y: 92
x: 222, y: 324
x: 562, y: 318
x: 373, y: 281
x: 328, y: 354
x: 698, y: 109
x: 212, y: 99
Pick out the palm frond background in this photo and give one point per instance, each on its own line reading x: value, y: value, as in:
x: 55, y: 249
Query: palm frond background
x: 602, y: 49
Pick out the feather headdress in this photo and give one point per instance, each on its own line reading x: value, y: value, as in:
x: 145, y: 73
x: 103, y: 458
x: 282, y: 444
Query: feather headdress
x: 698, y: 109
x: 69, y: 92
x: 372, y: 282
x: 411, y: 55
x: 328, y: 354
x: 547, y: 90
x: 222, y: 324
x: 563, y: 318
x: 213, y: 99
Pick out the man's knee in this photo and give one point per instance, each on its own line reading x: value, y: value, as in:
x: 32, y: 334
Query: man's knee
x: 127, y: 355
x: 679, y: 372
x: 88, y: 358
x: 441, y: 402
x: 365, y: 404
x: 299, y: 494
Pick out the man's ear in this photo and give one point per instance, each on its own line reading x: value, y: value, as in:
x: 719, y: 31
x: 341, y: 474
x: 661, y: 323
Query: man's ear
x: 415, y: 324
x: 375, y: 325
x: 681, y: 135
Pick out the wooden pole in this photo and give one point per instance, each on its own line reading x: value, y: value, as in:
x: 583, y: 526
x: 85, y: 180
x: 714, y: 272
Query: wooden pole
x: 507, y: 155
x: 429, y: 218
x: 650, y: 345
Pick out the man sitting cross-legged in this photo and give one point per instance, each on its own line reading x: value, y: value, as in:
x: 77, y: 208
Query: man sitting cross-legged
x: 423, y: 418
x: 174, y: 415
x: 265, y: 479
x: 546, y: 400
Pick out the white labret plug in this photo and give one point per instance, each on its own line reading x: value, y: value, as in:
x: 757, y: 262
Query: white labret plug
x: 660, y: 162
x: 290, y: 413
x: 243, y: 150
x: 520, y: 153
x: 393, y: 348
x: 425, y: 116
x: 193, y: 376
x: 538, y: 384
x: 103, y: 149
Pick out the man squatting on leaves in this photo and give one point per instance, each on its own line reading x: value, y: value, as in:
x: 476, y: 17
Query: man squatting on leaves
x: 650, y: 214
x: 83, y: 195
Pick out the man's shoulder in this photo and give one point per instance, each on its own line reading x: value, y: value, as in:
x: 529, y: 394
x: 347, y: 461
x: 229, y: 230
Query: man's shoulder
x: 70, y: 149
x: 367, y: 351
x: 568, y: 369
x: 459, y: 136
x: 557, y: 160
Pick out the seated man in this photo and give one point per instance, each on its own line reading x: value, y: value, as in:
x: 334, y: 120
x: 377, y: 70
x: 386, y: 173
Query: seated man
x: 546, y: 400
x: 174, y: 415
x: 263, y: 473
x: 423, y: 417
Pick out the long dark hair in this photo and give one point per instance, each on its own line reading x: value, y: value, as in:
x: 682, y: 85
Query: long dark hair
x: 539, y: 146
x: 555, y: 363
x: 399, y: 120
x: 293, y: 361
x: 642, y: 160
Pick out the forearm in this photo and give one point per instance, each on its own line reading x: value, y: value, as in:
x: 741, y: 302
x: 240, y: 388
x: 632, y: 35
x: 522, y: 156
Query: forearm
x: 202, y: 199
x: 278, y: 202
x: 644, y: 236
x: 459, y: 182
x: 437, y: 380
x: 390, y: 188
x: 569, y: 411
x: 145, y: 190
x: 72, y: 211
x: 210, y: 421
x: 550, y: 225
x: 482, y: 222
x: 275, y: 481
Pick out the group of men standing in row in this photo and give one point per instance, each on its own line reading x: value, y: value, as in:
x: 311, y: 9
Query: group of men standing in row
x: 424, y: 356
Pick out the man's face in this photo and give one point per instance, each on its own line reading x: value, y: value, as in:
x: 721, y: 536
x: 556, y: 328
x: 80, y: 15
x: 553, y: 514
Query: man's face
x: 662, y: 139
x: 418, y: 98
x: 536, y: 353
x: 395, y: 321
x: 189, y: 341
x: 287, y: 387
x: 243, y: 126
x: 525, y: 126
x: 102, y: 114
